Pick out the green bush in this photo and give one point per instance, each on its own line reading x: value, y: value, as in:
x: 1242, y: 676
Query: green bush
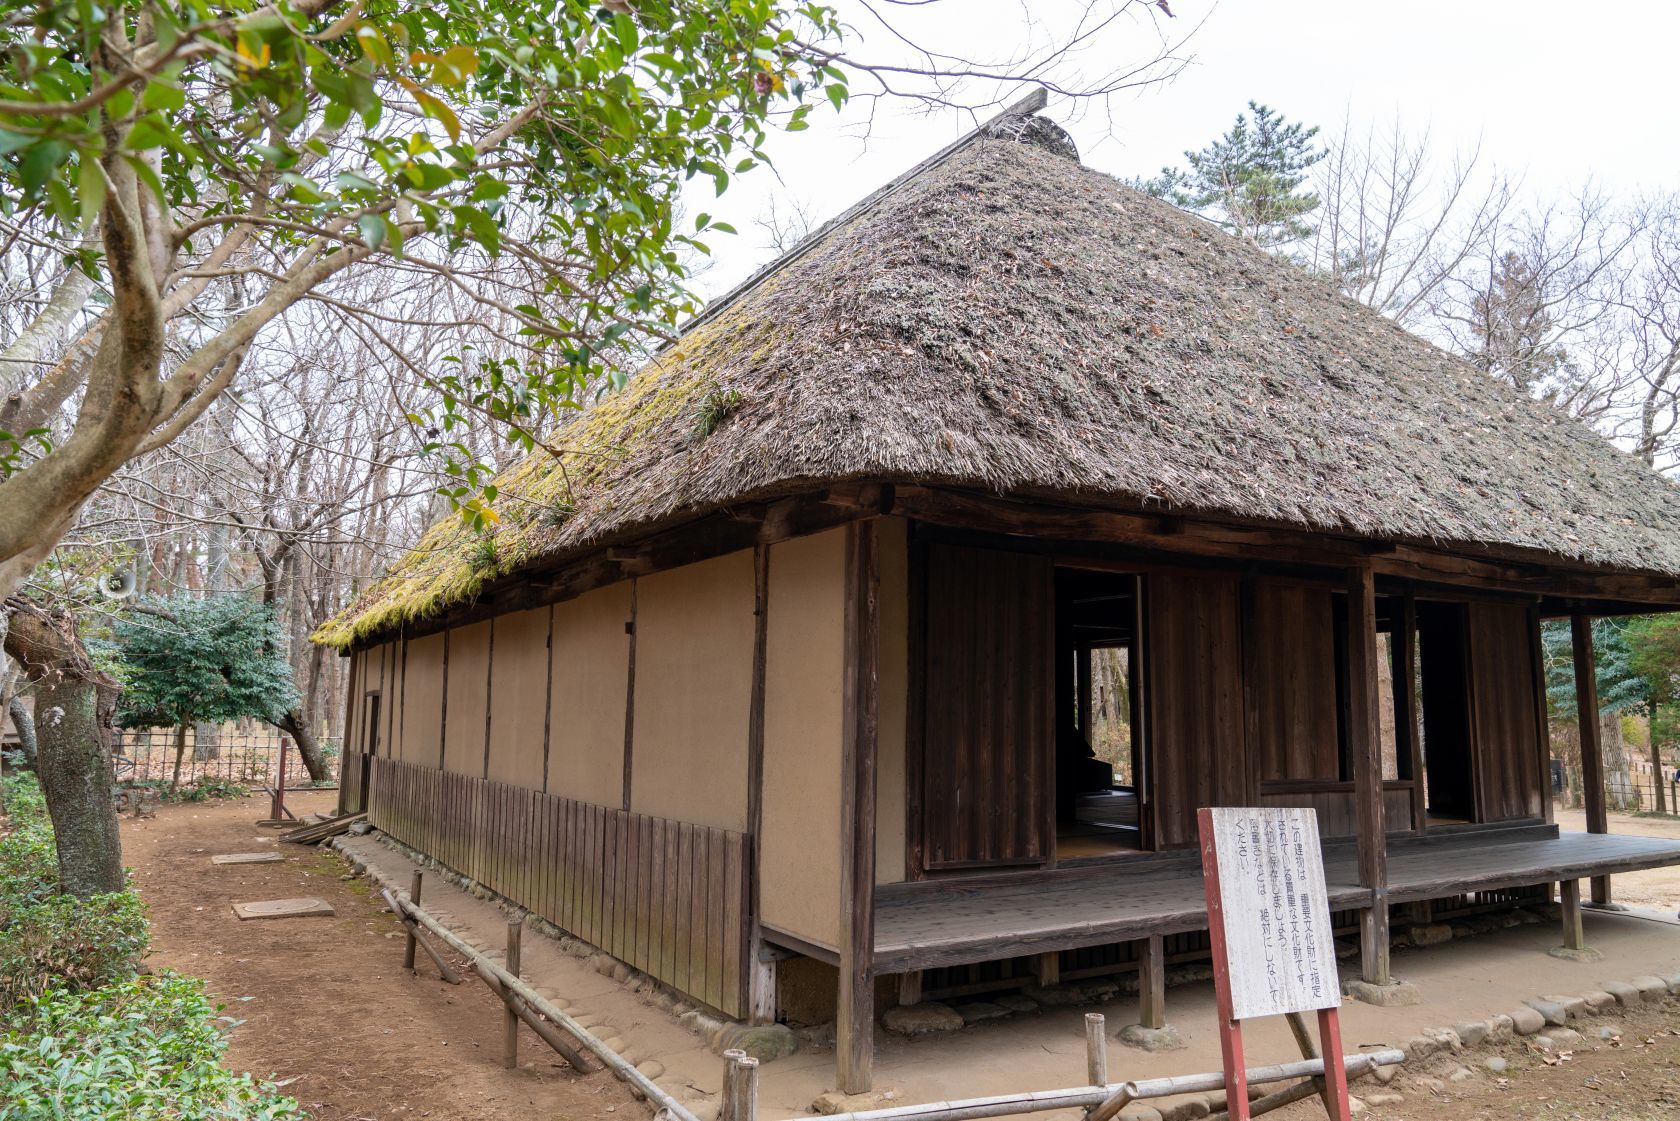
x: 146, y: 1048
x: 49, y: 938
x: 65, y: 942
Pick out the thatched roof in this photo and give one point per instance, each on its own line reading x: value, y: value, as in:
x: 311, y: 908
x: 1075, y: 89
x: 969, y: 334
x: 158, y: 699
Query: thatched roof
x: 1009, y: 319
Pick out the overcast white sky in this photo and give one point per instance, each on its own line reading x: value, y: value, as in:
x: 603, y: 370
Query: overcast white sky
x: 1554, y: 92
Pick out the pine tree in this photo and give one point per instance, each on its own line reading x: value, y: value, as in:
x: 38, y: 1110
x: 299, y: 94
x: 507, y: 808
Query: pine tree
x: 1250, y: 180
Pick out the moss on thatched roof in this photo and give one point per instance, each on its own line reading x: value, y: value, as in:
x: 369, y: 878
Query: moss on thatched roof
x: 1009, y: 319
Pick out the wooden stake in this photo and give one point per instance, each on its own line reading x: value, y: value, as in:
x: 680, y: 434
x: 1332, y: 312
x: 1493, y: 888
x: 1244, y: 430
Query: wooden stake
x: 445, y: 970
x: 413, y: 935
x: 740, y: 1086
x: 1096, y: 1050
x: 729, y: 1104
x: 510, y: 1044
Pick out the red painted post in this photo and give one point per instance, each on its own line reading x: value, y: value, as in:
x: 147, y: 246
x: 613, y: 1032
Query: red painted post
x: 1336, y: 1102
x: 1230, y: 1028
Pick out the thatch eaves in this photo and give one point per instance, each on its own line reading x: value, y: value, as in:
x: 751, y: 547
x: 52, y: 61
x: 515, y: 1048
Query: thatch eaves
x: 1008, y: 319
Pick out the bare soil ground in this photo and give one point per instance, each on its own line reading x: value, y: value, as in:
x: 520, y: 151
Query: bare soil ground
x: 1635, y: 1078
x: 1659, y: 888
x: 326, y: 1006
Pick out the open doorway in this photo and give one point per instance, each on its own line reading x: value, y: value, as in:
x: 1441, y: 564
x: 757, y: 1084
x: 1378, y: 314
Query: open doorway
x: 1098, y: 733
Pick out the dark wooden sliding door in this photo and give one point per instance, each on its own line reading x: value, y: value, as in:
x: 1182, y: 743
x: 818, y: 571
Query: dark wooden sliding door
x: 987, y: 778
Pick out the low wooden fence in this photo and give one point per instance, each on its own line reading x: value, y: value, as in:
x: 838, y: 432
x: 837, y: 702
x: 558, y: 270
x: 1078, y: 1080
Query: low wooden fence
x: 667, y: 897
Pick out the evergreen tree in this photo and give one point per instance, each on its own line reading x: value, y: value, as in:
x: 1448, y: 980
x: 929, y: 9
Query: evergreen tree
x: 186, y: 660
x: 1251, y: 180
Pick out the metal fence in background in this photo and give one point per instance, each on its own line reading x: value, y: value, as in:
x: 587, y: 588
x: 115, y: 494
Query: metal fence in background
x: 246, y: 758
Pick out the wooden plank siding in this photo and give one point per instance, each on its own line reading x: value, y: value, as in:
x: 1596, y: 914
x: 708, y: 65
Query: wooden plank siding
x: 667, y: 897
x: 1504, y: 712
x: 987, y: 779
x: 1192, y: 646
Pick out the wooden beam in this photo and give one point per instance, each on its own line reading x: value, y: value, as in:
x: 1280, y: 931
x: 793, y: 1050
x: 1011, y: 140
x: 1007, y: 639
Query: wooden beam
x: 860, y: 714
x: 630, y: 703
x: 1152, y: 982
x: 760, y: 970
x: 1404, y: 638
x: 1574, y: 937
x: 1592, y: 750
x: 1365, y: 746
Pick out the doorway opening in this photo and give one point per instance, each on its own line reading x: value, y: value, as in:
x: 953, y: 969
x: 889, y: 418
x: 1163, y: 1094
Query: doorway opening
x: 1098, y: 726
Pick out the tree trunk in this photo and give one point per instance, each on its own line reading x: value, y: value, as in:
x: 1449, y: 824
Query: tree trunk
x: 1659, y: 781
x: 296, y: 725
x: 24, y: 722
x: 207, y: 741
x: 75, y: 770
x: 180, y: 750
x: 1622, y: 794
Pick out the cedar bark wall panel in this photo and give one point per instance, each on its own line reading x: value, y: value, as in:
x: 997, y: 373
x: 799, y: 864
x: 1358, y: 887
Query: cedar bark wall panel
x: 693, y: 695
x: 987, y: 784
x: 421, y: 723
x: 591, y: 678
x: 668, y: 897
x: 463, y: 723
x: 1504, y: 711
x: 518, y: 698
x: 799, y: 839
x: 1294, y: 686
x: 1193, y: 645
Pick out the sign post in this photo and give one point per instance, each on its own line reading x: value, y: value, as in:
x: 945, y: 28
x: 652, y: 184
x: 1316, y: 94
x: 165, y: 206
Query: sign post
x: 1269, y: 922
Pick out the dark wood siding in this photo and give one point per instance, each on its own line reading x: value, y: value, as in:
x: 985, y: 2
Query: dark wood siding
x: 1193, y: 647
x: 986, y: 775
x: 668, y: 897
x: 1293, y: 660
x: 1504, y: 708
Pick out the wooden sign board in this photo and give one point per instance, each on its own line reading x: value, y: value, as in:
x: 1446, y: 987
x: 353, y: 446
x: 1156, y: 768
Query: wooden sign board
x: 1279, y: 949
x: 1273, y: 953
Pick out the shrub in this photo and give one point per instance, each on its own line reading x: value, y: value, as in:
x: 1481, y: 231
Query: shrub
x: 65, y: 942
x: 142, y: 1049
x: 52, y: 938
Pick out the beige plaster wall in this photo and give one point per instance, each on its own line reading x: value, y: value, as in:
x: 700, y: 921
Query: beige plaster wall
x: 799, y: 854
x: 519, y: 697
x: 894, y: 687
x: 693, y: 692
x: 465, y: 685
x: 591, y: 676
x: 422, y: 712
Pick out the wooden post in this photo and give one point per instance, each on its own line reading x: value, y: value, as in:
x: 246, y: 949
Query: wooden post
x: 1365, y: 746
x: 729, y: 1102
x: 854, y: 1045
x: 1152, y: 983
x: 1048, y: 968
x: 910, y: 987
x: 1096, y: 1050
x: 1592, y: 750
x: 414, y: 898
x: 1574, y: 937
x: 1406, y: 708
x: 761, y: 987
x: 510, y: 1044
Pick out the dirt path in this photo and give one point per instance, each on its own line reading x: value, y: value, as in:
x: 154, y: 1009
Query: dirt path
x: 325, y: 1002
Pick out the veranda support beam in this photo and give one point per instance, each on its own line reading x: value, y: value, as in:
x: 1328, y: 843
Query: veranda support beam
x: 854, y: 1024
x: 1592, y: 750
x: 1365, y: 747
x: 1574, y: 936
